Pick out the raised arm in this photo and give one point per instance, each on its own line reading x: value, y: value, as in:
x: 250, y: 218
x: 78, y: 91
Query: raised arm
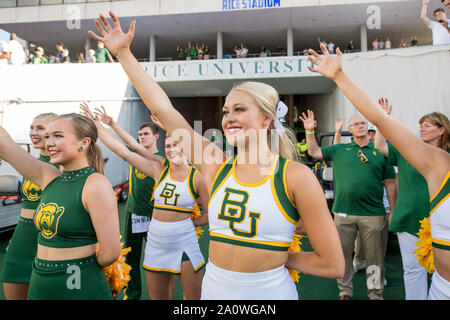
x: 380, y: 141
x: 152, y: 168
x: 338, y: 124
x: 39, y: 172
x: 423, y: 12
x: 310, y: 124
x: 153, y: 95
x: 127, y: 138
x: 433, y: 163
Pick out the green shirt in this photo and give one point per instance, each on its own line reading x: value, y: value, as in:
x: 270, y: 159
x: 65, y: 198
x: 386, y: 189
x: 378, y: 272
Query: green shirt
x: 140, y: 192
x: 358, y: 185
x: 101, y: 55
x: 61, y: 217
x: 413, y: 200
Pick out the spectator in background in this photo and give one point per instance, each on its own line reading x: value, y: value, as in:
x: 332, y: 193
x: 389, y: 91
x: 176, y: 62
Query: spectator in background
x: 80, y: 58
x: 381, y: 44
x: 281, y: 50
x: 102, y: 54
x: 90, y: 57
x: 5, y: 52
x: 39, y: 56
x: 322, y: 41
x: 350, y: 46
x: 439, y: 28
x: 262, y: 53
x: 446, y: 3
x: 65, y: 56
x: 403, y: 44
x: 357, y: 164
x: 375, y: 44
x: 17, y: 56
x: 388, y: 44
x: 244, y: 51
x: 180, y: 53
x: 414, y: 41
x: 206, y: 52
x: 237, y: 51
x: 331, y: 47
x: 60, y: 53
x: 200, y: 50
x: 191, y: 51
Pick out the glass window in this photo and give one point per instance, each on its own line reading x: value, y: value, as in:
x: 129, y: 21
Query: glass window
x: 24, y: 3
x: 7, y: 3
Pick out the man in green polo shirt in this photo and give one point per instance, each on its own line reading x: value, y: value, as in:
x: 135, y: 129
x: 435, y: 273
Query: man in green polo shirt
x: 359, y: 174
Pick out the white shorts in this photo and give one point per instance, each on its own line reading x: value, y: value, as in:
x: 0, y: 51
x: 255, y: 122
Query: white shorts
x: 166, y: 243
x: 440, y: 288
x: 221, y: 284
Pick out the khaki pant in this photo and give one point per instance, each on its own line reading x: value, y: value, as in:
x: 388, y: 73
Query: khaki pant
x: 372, y: 232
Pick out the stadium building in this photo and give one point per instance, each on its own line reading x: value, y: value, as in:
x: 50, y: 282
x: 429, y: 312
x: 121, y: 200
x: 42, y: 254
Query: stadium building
x: 414, y: 79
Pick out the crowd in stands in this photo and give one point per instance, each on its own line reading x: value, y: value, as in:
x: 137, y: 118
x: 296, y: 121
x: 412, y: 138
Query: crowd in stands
x: 197, y: 51
x: 14, y: 53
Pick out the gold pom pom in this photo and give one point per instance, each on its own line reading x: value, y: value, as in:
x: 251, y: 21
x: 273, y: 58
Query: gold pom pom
x: 424, y: 251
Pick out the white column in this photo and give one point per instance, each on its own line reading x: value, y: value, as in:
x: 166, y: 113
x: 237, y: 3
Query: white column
x: 219, y: 45
x: 363, y: 34
x: 152, y: 53
x: 290, y: 41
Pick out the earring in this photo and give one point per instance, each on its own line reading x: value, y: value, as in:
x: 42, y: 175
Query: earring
x: 81, y: 148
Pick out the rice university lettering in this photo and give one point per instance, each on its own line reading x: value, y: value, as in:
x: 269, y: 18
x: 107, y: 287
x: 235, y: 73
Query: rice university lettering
x: 227, y: 68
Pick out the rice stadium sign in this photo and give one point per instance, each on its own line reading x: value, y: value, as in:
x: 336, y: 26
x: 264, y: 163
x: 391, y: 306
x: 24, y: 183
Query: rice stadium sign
x: 249, y: 4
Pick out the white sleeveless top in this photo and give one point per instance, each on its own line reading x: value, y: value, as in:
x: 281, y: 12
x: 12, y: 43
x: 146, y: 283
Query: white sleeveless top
x: 174, y: 195
x: 259, y: 215
x: 440, y: 216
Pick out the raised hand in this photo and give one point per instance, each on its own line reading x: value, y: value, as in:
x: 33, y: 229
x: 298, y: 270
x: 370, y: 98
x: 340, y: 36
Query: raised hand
x: 327, y: 65
x: 156, y: 121
x: 308, y: 121
x: 103, y: 116
x: 114, y: 39
x: 384, y: 104
x: 338, y: 124
x: 86, y: 111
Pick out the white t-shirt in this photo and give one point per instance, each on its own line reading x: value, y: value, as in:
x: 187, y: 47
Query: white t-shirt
x: 17, y: 53
x: 440, y: 33
x: 4, y: 47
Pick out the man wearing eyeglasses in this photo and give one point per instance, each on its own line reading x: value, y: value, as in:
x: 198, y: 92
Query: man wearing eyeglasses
x: 360, y: 171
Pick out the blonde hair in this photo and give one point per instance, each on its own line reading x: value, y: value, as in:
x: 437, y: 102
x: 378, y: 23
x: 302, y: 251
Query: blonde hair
x: 439, y: 120
x: 266, y: 98
x: 49, y: 116
x: 86, y: 128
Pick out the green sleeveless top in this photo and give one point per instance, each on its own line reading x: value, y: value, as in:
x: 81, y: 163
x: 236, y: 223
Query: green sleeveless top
x: 31, y: 193
x: 61, y: 218
x: 140, y: 192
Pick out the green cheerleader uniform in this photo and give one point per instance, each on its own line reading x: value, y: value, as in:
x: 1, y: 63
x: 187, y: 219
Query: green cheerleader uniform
x: 63, y: 222
x: 22, y: 248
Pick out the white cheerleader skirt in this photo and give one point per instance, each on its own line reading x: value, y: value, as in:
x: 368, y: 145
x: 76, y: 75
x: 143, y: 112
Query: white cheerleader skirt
x: 439, y: 289
x: 221, y: 284
x: 168, y: 243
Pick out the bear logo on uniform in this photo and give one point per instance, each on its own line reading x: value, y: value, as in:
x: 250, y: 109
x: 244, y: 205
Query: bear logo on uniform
x: 47, y: 219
